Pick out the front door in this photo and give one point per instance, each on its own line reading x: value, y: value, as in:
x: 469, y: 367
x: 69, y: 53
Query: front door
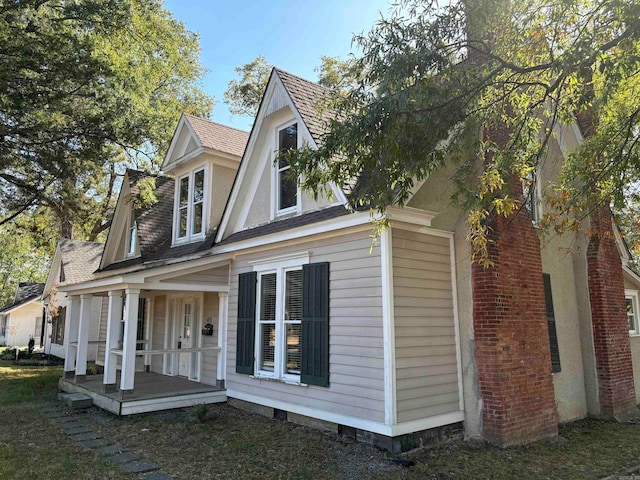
x: 184, y: 339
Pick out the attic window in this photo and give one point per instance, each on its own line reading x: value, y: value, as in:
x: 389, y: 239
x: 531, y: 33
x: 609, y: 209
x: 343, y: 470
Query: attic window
x: 132, y: 234
x: 286, y: 182
x: 190, y: 214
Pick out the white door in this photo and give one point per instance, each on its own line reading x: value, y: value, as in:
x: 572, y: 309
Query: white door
x: 185, y: 334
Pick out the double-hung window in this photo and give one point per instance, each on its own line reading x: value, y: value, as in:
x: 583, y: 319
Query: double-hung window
x: 631, y: 298
x: 283, y: 321
x: 279, y: 323
x: 189, y: 222
x: 286, y: 183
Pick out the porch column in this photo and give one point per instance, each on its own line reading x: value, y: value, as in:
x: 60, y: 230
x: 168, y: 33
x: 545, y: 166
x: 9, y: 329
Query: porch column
x: 129, y: 341
x: 113, y: 331
x: 72, y: 319
x: 83, y: 337
x: 223, y: 309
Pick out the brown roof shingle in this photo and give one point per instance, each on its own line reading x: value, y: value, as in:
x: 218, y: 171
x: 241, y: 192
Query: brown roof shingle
x: 79, y: 260
x: 219, y: 137
x: 310, y: 99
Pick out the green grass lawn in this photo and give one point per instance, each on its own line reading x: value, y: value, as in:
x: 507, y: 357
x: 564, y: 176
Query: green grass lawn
x: 232, y: 444
x: 32, y: 447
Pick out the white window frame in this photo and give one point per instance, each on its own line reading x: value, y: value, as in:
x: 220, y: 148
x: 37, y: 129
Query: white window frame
x: 633, y: 296
x: 190, y: 237
x: 279, y: 266
x: 132, y: 230
x: 536, y: 204
x: 275, y: 174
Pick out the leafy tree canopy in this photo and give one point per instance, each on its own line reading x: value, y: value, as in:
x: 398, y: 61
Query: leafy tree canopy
x: 243, y: 94
x: 433, y: 77
x: 87, y: 87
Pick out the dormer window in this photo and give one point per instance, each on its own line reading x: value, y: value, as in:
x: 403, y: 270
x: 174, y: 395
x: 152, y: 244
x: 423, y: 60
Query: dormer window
x: 286, y: 187
x: 189, y: 218
x: 132, y: 234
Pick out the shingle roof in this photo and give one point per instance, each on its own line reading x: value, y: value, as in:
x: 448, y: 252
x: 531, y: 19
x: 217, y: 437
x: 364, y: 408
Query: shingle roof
x: 155, y: 223
x: 286, y: 224
x: 219, y: 137
x: 79, y: 260
x: 25, y: 292
x: 311, y: 100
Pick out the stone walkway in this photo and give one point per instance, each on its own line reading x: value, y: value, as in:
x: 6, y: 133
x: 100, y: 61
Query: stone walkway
x: 76, y: 426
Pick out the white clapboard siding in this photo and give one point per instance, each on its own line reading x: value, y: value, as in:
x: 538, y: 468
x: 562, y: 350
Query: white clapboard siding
x: 426, y: 362
x: 157, y: 334
x: 216, y: 276
x: 209, y: 360
x: 356, y: 364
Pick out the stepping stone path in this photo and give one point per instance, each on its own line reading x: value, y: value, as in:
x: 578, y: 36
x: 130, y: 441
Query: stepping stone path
x: 76, y: 427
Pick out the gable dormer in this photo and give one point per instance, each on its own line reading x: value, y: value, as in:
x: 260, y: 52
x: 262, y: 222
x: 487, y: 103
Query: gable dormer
x: 292, y: 114
x: 123, y: 241
x: 203, y: 158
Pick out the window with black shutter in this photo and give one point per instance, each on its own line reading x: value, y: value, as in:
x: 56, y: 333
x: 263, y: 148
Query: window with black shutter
x: 315, y: 324
x: 246, y: 322
x: 551, y: 324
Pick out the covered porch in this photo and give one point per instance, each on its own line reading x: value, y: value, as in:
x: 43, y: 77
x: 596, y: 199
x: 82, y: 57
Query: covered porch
x: 153, y: 392
x: 162, y: 344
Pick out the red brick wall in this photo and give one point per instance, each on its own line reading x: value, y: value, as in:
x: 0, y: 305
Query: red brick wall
x: 608, y: 313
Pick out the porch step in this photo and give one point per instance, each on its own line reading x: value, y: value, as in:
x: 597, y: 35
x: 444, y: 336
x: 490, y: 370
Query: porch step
x: 76, y: 401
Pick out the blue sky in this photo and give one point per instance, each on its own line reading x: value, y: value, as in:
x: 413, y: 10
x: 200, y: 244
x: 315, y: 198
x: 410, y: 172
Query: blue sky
x: 292, y: 35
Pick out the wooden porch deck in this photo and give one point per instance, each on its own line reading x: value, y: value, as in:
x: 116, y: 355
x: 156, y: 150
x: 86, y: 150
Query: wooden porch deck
x: 152, y: 392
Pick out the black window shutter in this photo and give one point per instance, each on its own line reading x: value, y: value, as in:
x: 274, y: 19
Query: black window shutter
x: 551, y: 324
x: 245, y: 342
x: 315, y: 324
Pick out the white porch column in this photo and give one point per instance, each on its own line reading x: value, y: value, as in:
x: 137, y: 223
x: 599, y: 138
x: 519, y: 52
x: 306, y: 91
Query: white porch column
x: 83, y: 337
x: 223, y: 310
x: 72, y: 319
x: 113, y: 331
x: 129, y: 344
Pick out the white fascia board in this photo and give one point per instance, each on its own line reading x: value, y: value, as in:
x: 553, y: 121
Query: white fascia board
x: 184, y: 159
x: 244, y: 165
x: 187, y: 287
x: 174, y: 140
x: 631, y: 275
x: 18, y: 307
x: 116, y: 229
x: 54, y: 271
x: 161, y: 274
x: 411, y: 215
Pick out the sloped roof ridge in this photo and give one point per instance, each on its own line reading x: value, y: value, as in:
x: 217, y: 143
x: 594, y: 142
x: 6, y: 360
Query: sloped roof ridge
x: 298, y: 77
x: 215, y: 123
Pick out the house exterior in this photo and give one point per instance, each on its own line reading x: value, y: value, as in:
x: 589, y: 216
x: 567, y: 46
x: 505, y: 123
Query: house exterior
x: 237, y: 286
x: 22, y: 319
x: 73, y: 262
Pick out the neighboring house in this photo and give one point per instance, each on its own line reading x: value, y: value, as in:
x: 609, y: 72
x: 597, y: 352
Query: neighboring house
x: 73, y: 262
x: 22, y: 319
x: 238, y: 286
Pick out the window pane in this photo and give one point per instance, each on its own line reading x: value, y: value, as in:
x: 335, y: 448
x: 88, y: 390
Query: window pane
x: 198, y: 186
x: 183, y: 222
x: 184, y: 191
x: 631, y: 314
x: 294, y: 332
x: 288, y: 138
x: 132, y: 238
x: 268, y: 297
x: 186, y: 326
x: 267, y: 346
x: 197, y: 218
x: 288, y: 189
x: 293, y: 295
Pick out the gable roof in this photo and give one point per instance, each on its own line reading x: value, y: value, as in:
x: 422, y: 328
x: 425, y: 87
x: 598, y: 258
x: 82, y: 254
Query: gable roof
x: 25, y: 293
x: 195, y: 135
x: 79, y: 260
x: 217, y: 136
